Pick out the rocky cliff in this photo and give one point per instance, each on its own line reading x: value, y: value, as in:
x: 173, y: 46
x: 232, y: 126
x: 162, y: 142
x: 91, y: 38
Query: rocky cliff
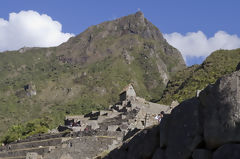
x: 204, y: 127
x: 87, y: 72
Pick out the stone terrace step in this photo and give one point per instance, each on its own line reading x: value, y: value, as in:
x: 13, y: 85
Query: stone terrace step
x: 43, y: 137
x: 18, y: 157
x: 23, y: 152
x: 36, y: 138
x: 32, y: 144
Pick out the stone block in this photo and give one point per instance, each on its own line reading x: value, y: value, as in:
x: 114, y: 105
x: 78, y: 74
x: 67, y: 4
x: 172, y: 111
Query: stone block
x: 123, y: 116
x: 112, y: 127
x: 33, y: 155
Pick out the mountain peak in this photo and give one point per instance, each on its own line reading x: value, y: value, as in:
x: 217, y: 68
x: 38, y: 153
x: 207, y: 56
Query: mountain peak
x: 113, y: 37
x: 139, y: 14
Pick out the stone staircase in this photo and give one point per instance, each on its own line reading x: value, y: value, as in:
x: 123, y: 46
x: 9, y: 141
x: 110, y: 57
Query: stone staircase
x: 38, y: 144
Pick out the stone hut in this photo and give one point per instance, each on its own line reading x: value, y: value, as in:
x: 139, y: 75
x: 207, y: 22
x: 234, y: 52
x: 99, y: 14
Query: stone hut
x: 128, y: 93
x: 73, y: 120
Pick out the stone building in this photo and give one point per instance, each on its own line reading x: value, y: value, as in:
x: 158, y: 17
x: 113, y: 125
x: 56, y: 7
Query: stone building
x: 128, y: 93
x: 73, y: 120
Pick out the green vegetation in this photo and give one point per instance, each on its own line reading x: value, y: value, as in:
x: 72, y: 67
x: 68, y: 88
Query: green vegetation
x: 21, y: 131
x: 64, y: 88
x: 197, y: 77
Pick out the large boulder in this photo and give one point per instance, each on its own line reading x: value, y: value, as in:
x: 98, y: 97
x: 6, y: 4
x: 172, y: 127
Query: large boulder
x: 164, y: 130
x: 143, y: 145
x: 228, y: 151
x: 202, y: 154
x: 183, y: 131
x: 221, y: 111
x: 159, y: 154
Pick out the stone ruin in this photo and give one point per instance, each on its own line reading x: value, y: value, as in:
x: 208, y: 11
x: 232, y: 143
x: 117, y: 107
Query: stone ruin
x: 91, y: 135
x: 130, y: 113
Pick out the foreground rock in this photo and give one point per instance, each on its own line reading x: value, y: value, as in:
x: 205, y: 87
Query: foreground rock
x: 183, y: 130
x: 205, y: 127
x: 142, y: 145
x: 231, y: 151
x: 221, y: 111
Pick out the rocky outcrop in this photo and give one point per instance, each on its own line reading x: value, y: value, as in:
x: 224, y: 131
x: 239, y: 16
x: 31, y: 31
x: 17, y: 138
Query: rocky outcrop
x: 185, y: 120
x: 221, y: 111
x: 204, y: 127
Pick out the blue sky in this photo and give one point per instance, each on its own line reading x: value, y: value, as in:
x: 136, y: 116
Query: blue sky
x: 181, y: 16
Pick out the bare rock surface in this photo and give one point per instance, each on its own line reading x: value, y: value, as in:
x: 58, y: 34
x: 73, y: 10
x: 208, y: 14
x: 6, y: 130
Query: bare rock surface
x: 221, y: 111
x: 183, y: 130
x: 142, y: 145
x: 202, y: 154
x: 228, y: 151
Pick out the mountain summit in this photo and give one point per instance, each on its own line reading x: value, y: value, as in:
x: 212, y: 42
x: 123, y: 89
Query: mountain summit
x: 99, y: 41
x: 87, y: 72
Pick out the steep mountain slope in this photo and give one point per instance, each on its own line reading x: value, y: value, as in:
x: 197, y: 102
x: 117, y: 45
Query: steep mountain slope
x: 186, y: 82
x: 87, y: 72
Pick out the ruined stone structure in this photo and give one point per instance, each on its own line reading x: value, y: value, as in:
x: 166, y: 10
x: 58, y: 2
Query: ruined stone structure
x: 93, y: 134
x: 33, y: 147
x: 128, y: 93
x: 131, y: 112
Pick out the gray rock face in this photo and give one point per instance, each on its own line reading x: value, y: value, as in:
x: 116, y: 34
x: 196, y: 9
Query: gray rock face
x: 183, y: 130
x: 202, y: 154
x: 159, y: 154
x: 221, y: 111
x: 228, y: 151
x: 164, y: 131
x: 142, y: 145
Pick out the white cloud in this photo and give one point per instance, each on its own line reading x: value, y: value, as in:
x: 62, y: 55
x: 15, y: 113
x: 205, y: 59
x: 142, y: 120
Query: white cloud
x: 29, y: 28
x: 196, y: 44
